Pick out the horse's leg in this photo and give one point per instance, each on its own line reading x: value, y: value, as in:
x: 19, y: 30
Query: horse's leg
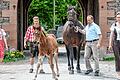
x: 71, y: 58
x: 56, y: 61
x: 38, y: 66
x: 41, y: 65
x: 75, y: 53
x: 68, y: 57
x: 52, y: 66
x: 78, y: 59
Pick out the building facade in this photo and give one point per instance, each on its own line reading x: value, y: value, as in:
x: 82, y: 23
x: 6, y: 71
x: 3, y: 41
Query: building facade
x: 12, y: 19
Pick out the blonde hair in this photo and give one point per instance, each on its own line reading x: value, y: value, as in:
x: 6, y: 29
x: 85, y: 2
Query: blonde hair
x: 35, y: 17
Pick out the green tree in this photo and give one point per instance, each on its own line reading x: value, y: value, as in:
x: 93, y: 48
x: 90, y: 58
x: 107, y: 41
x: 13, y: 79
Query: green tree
x: 44, y: 10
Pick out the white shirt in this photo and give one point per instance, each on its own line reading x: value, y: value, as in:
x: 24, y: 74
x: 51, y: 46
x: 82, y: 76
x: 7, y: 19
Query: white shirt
x: 117, y: 27
x: 2, y: 33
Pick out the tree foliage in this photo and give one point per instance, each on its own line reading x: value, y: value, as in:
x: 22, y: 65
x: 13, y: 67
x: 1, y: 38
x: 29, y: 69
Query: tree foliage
x: 44, y: 10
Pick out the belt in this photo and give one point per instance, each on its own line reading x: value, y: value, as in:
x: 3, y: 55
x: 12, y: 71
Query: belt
x: 92, y: 40
x: 34, y: 42
x: 118, y: 41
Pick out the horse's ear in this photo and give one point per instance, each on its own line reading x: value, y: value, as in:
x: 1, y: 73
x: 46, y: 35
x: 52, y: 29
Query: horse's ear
x: 67, y: 5
x: 75, y: 7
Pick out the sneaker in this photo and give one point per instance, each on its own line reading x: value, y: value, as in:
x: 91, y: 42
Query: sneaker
x: 96, y: 73
x: 88, y: 71
x: 31, y: 71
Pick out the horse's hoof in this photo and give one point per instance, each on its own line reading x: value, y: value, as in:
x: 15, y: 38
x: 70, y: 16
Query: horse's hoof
x: 69, y: 68
x: 34, y: 79
x: 58, y: 75
x: 56, y: 78
x: 35, y: 76
x: 71, y: 72
x: 41, y: 71
x: 78, y: 71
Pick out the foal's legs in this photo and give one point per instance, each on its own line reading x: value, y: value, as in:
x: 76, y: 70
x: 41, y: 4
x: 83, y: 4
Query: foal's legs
x: 52, y: 66
x: 38, y: 65
x: 56, y: 61
x: 41, y: 65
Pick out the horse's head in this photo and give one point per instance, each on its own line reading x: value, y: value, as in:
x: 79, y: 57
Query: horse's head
x: 72, y: 15
x: 39, y: 36
x: 36, y: 35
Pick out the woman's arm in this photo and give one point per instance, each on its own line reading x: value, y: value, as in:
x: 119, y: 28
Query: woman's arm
x: 5, y: 41
x: 111, y: 39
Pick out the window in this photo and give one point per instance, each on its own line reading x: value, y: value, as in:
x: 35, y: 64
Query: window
x: 4, y: 20
x: 5, y: 5
x: 110, y: 20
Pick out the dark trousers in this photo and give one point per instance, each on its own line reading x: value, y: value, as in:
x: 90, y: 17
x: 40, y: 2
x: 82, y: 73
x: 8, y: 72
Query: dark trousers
x: 116, y: 50
x: 33, y: 49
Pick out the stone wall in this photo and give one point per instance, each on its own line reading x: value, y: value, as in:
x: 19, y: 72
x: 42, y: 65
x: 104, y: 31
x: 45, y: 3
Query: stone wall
x: 8, y: 20
x: 107, y: 9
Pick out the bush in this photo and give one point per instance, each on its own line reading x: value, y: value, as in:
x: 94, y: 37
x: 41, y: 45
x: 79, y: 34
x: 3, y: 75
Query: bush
x: 109, y: 58
x: 12, y: 56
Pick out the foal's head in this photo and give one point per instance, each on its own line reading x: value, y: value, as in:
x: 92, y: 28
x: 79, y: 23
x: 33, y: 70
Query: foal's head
x: 40, y: 36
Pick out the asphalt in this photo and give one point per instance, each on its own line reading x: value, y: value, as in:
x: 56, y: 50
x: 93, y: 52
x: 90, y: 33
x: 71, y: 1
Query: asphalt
x: 20, y: 71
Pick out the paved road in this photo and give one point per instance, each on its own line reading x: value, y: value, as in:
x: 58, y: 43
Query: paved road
x: 19, y: 71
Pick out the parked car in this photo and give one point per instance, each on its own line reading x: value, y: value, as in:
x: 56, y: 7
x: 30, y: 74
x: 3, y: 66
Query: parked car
x: 59, y: 35
x: 52, y: 31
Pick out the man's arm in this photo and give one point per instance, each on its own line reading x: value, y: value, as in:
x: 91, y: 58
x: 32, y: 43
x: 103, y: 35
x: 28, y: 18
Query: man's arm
x: 100, y: 39
x: 110, y: 40
x: 82, y: 31
x: 26, y: 36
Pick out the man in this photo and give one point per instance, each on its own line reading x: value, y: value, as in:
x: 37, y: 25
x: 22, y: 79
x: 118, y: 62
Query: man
x: 29, y: 37
x: 93, y: 41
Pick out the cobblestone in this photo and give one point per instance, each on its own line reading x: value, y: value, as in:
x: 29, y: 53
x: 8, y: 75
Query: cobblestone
x: 20, y: 71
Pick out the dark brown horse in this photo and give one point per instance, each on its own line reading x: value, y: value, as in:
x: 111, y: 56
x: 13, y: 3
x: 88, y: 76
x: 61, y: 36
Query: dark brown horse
x: 47, y: 47
x: 73, y: 38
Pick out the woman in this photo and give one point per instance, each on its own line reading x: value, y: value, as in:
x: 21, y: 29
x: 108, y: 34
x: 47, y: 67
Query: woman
x: 2, y: 43
x: 114, y: 41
